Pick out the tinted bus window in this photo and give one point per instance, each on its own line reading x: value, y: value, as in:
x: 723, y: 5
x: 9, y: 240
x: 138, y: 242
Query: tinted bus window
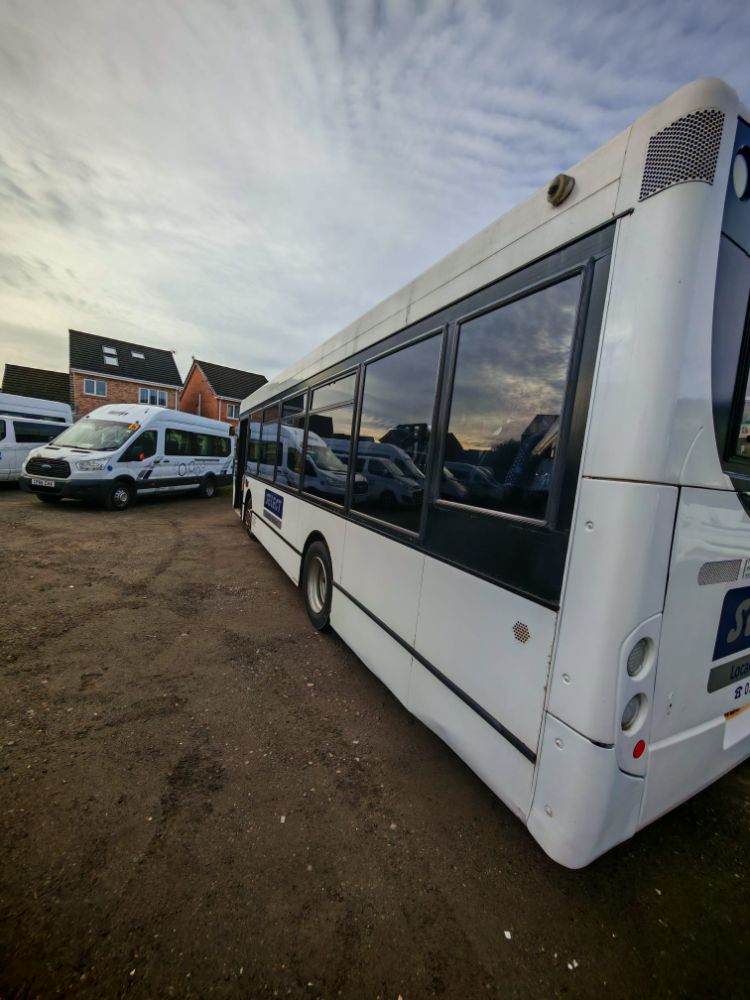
x: 253, y: 442
x: 269, y: 437
x: 394, y: 431
x: 329, y: 434
x: 507, y: 400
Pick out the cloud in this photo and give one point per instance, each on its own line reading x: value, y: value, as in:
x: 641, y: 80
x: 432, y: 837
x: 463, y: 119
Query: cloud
x: 238, y: 181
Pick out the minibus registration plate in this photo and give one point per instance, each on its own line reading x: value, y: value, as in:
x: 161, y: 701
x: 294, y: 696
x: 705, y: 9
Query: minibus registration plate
x: 43, y: 482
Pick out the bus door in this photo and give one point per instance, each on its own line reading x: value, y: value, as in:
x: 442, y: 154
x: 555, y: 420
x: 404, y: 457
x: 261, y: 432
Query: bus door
x: 239, y: 463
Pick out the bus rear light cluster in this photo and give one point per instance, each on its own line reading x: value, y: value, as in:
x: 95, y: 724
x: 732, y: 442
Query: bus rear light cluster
x: 635, y: 693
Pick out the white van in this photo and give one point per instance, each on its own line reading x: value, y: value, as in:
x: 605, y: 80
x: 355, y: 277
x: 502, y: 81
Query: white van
x: 119, y: 451
x: 18, y: 437
x: 325, y: 472
x: 25, y: 423
x: 35, y: 409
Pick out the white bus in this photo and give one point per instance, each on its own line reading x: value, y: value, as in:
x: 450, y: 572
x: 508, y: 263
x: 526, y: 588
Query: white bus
x: 579, y: 630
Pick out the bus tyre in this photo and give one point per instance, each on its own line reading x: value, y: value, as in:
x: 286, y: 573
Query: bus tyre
x: 207, y: 487
x: 120, y: 497
x: 48, y: 498
x: 317, y: 585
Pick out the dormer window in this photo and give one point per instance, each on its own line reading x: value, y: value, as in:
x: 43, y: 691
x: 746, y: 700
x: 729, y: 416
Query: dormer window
x: 110, y: 350
x: 110, y: 360
x: 138, y: 354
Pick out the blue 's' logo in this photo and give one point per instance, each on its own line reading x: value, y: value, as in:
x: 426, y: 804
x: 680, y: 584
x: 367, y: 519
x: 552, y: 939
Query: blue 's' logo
x: 733, y: 634
x: 274, y: 505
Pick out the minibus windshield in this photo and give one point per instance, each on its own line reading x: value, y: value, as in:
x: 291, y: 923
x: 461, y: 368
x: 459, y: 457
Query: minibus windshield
x: 96, y: 435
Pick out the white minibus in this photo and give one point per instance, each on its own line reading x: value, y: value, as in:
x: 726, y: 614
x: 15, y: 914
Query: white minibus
x: 576, y: 623
x: 123, y: 450
x: 25, y: 423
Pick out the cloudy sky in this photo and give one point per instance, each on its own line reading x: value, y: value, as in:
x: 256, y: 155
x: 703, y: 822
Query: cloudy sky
x: 238, y: 180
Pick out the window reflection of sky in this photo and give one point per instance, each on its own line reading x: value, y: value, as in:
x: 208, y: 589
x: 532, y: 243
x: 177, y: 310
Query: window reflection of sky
x: 400, y: 389
x: 512, y: 365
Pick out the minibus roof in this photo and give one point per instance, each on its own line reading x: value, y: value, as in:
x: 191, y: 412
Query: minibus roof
x: 148, y: 415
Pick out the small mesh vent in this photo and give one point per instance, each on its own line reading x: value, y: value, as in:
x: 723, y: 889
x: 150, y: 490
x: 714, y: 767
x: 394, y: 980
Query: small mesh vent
x: 521, y: 632
x: 721, y: 571
x: 686, y: 150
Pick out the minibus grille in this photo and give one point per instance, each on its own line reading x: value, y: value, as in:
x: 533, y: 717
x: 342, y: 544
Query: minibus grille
x: 55, y: 468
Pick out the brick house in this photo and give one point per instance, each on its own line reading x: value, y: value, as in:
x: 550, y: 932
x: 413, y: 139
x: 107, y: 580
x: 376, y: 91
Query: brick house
x: 40, y: 383
x: 104, y: 370
x: 216, y: 391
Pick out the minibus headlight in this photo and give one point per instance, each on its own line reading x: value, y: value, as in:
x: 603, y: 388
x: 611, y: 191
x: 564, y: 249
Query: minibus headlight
x: 91, y: 465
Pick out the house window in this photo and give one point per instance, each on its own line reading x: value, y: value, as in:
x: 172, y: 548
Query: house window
x: 93, y: 387
x: 138, y: 354
x: 110, y: 350
x: 152, y: 397
x: 233, y: 411
x: 111, y: 361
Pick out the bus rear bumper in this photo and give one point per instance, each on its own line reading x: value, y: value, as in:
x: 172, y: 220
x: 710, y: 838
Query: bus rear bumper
x: 583, y: 803
x: 683, y: 765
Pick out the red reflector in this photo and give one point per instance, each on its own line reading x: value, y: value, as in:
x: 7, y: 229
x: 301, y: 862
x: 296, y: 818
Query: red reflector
x: 639, y: 748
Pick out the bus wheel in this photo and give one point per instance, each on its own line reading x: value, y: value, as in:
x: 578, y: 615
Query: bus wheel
x: 120, y: 496
x: 317, y: 585
x: 207, y: 487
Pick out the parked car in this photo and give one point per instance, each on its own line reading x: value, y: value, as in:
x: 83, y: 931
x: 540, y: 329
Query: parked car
x: 119, y: 451
x: 479, y: 482
x: 387, y: 485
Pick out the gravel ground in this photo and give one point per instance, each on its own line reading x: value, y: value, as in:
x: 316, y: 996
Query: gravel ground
x: 201, y: 797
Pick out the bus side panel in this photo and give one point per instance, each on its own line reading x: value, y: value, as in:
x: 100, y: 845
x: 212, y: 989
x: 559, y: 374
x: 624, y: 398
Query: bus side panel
x: 285, y: 556
x: 385, y: 657
x: 385, y: 576
x: 496, y: 761
x: 493, y: 644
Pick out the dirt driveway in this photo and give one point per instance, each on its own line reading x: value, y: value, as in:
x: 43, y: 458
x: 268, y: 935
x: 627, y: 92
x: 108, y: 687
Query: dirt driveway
x: 201, y: 797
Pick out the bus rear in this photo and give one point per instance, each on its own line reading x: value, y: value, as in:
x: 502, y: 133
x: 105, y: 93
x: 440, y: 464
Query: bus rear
x: 649, y: 697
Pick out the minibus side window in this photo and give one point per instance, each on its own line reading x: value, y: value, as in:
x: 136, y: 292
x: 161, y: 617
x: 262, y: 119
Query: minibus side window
x: 142, y: 448
x: 30, y: 433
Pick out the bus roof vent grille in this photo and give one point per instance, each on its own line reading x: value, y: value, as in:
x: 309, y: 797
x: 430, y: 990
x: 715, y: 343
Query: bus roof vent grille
x: 686, y: 150
x: 720, y: 571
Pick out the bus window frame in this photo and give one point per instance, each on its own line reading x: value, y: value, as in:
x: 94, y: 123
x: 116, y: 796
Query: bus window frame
x: 586, y: 272
x: 369, y: 519
x: 341, y: 509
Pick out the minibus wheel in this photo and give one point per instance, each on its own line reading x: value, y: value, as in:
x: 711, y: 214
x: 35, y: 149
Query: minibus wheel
x: 120, y: 496
x: 317, y: 585
x: 207, y: 487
